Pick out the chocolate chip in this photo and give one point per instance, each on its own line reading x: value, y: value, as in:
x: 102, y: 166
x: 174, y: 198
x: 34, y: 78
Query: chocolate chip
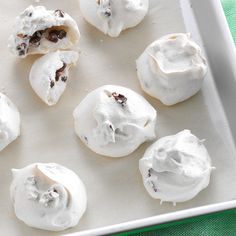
x: 121, y: 99
x: 21, y: 48
x: 53, y: 38
x: 55, y: 191
x: 149, y: 172
x: 52, y: 83
x: 21, y: 52
x: 59, y: 13
x: 107, y: 13
x: 61, y: 34
x: 64, y: 78
x: 36, y: 37
x: 54, y: 35
x: 59, y: 73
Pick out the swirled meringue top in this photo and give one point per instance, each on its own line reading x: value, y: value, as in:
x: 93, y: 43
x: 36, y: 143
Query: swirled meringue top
x: 48, y: 196
x: 176, y: 168
x: 113, y: 16
x: 114, y: 120
x: 172, y: 68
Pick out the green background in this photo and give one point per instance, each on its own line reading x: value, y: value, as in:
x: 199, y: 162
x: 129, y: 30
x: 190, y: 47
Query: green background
x: 229, y: 7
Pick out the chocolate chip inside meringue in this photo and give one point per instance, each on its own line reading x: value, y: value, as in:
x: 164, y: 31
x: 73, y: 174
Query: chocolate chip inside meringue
x: 59, y: 13
x: 55, y: 35
x: 60, y: 74
x: 121, y: 99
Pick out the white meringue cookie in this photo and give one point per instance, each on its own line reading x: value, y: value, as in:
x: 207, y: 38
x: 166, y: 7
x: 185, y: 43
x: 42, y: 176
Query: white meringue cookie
x: 172, y: 68
x: 114, y: 120
x: 48, y: 196
x: 49, y: 75
x: 176, y: 168
x: 39, y: 31
x: 9, y: 121
x: 113, y: 16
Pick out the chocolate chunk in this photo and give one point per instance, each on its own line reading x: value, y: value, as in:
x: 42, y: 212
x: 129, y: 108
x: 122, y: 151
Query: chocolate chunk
x: 36, y: 37
x: 107, y: 13
x: 61, y: 34
x: 21, y: 53
x: 59, y: 73
x: 121, y: 99
x: 52, y: 83
x: 59, y: 13
x: 54, y: 35
x: 22, y: 49
x: 21, y: 46
x: 64, y: 78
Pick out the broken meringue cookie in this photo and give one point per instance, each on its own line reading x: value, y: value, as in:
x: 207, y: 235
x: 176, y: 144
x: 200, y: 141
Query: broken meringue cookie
x: 39, y: 31
x: 176, y: 168
x: 49, y: 74
x: 113, y: 16
x: 48, y: 196
x: 114, y: 121
x: 9, y: 121
x: 172, y: 68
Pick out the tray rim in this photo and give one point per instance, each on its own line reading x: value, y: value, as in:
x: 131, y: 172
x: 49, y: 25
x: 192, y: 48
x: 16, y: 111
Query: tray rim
x: 221, y: 25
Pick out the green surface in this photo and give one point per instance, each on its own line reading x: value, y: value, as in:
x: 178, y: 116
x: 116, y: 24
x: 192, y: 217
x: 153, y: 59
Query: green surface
x: 229, y: 7
x: 215, y: 224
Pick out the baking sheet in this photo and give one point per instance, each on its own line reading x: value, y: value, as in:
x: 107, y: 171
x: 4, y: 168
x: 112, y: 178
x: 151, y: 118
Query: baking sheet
x: 114, y: 186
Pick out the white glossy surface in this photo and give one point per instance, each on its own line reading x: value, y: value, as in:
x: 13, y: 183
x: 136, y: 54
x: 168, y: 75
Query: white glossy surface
x: 113, y: 16
x: 50, y: 73
x: 172, y: 68
x: 112, y: 185
x: 176, y: 167
x: 48, y: 196
x: 114, y: 121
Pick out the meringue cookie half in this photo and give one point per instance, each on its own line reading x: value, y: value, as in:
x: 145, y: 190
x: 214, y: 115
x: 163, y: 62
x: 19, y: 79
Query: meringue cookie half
x: 48, y: 196
x: 9, y: 121
x: 49, y: 75
x: 113, y: 16
x: 176, y: 168
x: 172, y: 68
x: 113, y: 121
x: 39, y: 31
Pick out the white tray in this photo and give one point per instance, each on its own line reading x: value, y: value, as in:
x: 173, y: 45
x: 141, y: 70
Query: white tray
x: 117, y: 200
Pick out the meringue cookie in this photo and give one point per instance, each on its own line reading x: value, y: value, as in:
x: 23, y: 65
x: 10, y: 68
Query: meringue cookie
x: 49, y: 75
x: 48, y: 196
x: 9, y: 121
x: 172, y: 68
x: 113, y: 121
x: 176, y: 168
x: 39, y: 31
x: 113, y: 16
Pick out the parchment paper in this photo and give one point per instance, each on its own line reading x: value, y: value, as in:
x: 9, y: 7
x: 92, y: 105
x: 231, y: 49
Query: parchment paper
x: 114, y: 186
